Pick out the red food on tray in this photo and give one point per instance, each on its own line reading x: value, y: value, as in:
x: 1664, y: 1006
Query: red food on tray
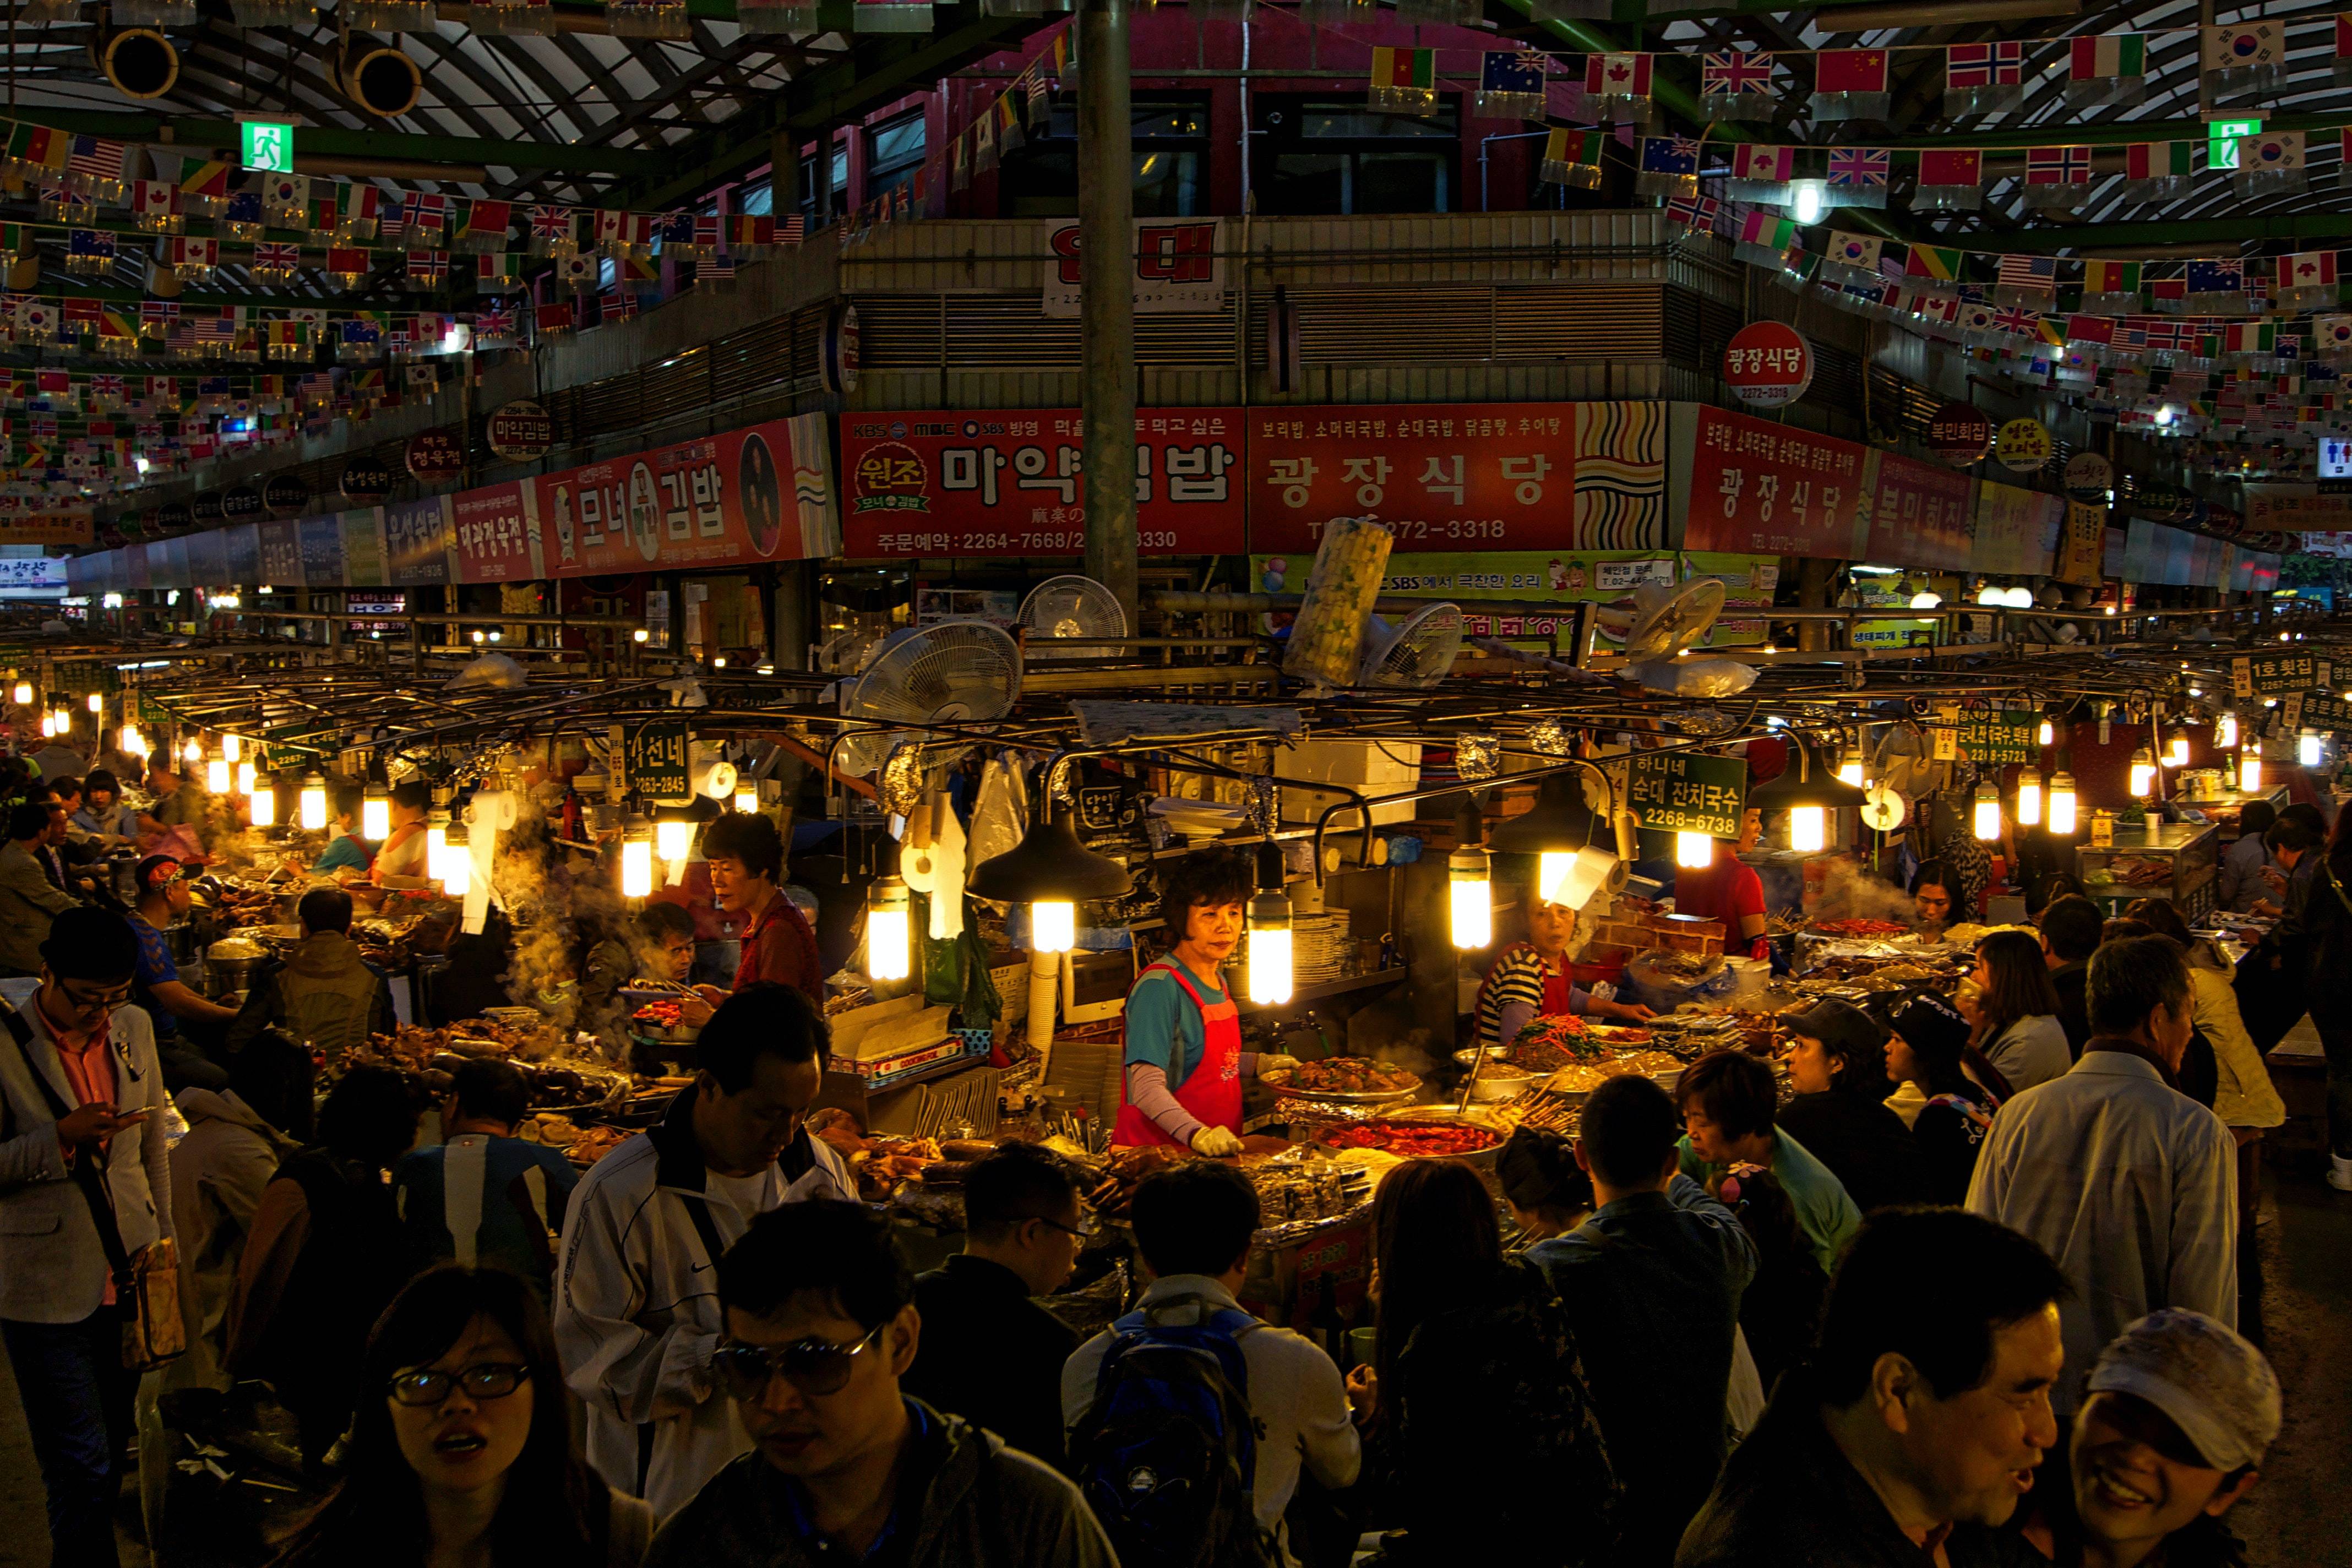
x: 1859, y: 928
x: 664, y: 1014
x: 1410, y: 1140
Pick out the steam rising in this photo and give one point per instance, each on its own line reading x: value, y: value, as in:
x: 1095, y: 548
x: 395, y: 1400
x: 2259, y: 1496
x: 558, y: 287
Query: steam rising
x: 1849, y: 894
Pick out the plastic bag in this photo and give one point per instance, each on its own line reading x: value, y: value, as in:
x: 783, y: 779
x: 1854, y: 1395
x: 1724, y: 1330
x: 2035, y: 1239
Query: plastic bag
x: 492, y: 671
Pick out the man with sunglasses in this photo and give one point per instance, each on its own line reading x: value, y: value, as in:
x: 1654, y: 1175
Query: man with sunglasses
x: 820, y: 1328
x: 636, y: 1308
x: 78, y: 1081
x: 991, y: 1353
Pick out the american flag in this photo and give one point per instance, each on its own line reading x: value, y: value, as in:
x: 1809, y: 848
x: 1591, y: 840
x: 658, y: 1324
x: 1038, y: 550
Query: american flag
x: 550, y: 223
x: 1730, y: 72
x: 220, y: 328
x: 2057, y: 165
x: 792, y: 230
x: 95, y: 158
x: 2035, y: 272
x: 719, y: 268
x: 1859, y: 168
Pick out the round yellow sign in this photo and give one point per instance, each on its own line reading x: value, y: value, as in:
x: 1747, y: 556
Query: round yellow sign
x: 2022, y: 445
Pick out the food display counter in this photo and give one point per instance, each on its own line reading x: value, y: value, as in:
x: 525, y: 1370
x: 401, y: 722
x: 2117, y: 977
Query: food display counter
x: 2177, y: 861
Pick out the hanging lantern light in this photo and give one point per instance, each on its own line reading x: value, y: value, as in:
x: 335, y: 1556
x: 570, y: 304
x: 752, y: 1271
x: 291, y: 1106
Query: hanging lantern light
x: 2311, y: 748
x: 2225, y: 732
x: 232, y: 748
x: 1557, y: 827
x: 2249, y: 770
x: 674, y: 835
x: 889, y: 948
x: 1987, y: 823
x: 2048, y: 736
x: 1694, y: 851
x: 747, y: 796
x: 134, y: 742
x: 1469, y: 876
x: 194, y: 751
x: 1850, y: 772
x: 216, y: 776
x: 375, y: 814
x: 23, y: 694
x: 2061, y: 805
x: 49, y: 726
x: 2176, y: 748
x: 636, y: 858
x: 245, y: 778
x: 1053, y: 873
x: 436, y: 843
x: 456, y: 859
x: 1271, y: 972
x: 1808, y: 792
x: 261, y: 806
x: 314, y: 804
x: 2029, y: 798
x: 2143, y: 772
x: 96, y: 703
x: 63, y: 718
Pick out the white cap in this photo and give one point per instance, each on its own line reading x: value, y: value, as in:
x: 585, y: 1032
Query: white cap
x: 2215, y: 1386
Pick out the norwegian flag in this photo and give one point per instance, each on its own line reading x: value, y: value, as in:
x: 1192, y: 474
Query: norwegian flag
x: 2057, y: 165
x: 1693, y: 212
x: 426, y: 214
x: 615, y: 308
x: 427, y: 268
x: 1979, y: 77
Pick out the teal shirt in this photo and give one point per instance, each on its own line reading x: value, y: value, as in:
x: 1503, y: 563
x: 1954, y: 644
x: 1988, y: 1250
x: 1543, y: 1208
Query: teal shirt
x: 1824, y: 1212
x: 1164, y: 1028
x: 344, y: 851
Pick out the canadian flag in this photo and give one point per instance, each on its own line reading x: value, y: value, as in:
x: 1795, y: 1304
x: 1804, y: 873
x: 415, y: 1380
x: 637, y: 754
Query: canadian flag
x: 1617, y: 76
x: 2308, y: 269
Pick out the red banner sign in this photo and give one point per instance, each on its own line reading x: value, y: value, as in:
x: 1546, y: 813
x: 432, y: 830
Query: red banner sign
x: 1007, y: 483
x: 1761, y: 489
x: 1497, y: 476
x: 494, y: 535
x: 1920, y: 514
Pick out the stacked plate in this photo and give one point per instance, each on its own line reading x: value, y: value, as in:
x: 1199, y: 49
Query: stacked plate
x: 1319, y: 945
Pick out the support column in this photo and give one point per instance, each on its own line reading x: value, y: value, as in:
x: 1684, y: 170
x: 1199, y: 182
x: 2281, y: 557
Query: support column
x: 784, y: 176
x: 1813, y: 578
x: 1106, y: 296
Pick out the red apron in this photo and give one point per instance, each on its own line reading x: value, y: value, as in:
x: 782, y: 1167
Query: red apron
x: 1556, y: 987
x: 1211, y: 1092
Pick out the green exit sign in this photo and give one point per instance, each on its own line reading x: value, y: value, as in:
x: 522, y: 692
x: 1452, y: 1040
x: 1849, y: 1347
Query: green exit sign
x: 266, y: 146
x: 2222, y: 141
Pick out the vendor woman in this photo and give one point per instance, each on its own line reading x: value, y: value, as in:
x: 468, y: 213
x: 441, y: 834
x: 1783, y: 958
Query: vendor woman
x: 1728, y: 890
x: 1181, y: 1082
x: 1529, y: 979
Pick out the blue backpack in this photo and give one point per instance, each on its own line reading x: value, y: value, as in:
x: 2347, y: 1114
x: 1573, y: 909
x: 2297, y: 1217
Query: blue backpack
x: 1167, y: 1454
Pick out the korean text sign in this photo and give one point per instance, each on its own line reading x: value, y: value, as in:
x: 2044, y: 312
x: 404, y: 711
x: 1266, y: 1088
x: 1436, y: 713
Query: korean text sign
x: 1442, y: 475
x: 2278, y: 674
x: 2010, y: 735
x: 657, y: 760
x: 1681, y: 792
x: 1009, y: 483
x: 763, y: 493
x: 1761, y: 489
x: 1919, y: 513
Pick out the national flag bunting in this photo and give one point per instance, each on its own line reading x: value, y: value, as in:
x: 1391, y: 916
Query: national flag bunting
x: 1761, y: 172
x: 2111, y: 285
x: 1933, y: 264
x: 2269, y: 162
x: 2109, y: 68
x: 1693, y: 212
x: 1950, y: 180
x: 1734, y: 85
x: 1980, y: 78
x: 2057, y: 176
x: 1511, y: 83
x: 2244, y: 58
x: 1850, y: 84
x: 2154, y: 171
x: 1618, y: 86
x: 1858, y: 176
x: 1669, y: 166
x: 2024, y: 279
x: 554, y: 231
x: 1404, y: 80
x: 1573, y: 158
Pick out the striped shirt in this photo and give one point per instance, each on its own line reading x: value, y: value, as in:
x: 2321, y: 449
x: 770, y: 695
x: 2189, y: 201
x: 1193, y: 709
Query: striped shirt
x: 1517, y: 976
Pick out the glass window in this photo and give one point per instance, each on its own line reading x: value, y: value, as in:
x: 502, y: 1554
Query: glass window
x: 894, y: 152
x: 755, y: 201
x: 1040, y: 178
x: 1314, y: 156
x: 840, y: 182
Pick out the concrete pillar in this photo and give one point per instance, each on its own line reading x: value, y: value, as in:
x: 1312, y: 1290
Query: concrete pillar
x: 1106, y: 296
x: 1813, y: 579
x: 784, y: 178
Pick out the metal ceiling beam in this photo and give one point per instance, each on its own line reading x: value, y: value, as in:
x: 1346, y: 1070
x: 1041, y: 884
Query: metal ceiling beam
x: 328, y: 140
x: 2222, y: 236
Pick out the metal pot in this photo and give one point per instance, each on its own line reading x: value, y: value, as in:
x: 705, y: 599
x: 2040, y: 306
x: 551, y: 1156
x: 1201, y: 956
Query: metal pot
x: 231, y: 963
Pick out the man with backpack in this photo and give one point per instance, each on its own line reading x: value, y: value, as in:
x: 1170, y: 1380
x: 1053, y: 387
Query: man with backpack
x: 1190, y: 1421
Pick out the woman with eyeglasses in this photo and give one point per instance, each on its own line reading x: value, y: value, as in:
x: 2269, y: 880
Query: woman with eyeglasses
x: 461, y: 1452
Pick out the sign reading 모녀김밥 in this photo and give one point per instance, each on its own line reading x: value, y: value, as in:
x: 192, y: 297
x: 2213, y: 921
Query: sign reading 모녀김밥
x: 1997, y: 738
x: 1683, y: 792
x: 657, y: 757
x: 1761, y: 489
x: 2279, y: 674
x: 1008, y: 483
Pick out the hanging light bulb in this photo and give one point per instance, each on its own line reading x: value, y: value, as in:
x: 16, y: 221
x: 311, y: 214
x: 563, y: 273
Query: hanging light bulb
x: 2310, y: 749
x: 1053, y: 925
x: 2029, y: 798
x: 375, y: 814
x: 1694, y: 851
x: 2176, y: 748
x: 1987, y: 823
x: 1053, y: 873
x: 2143, y: 772
x: 1991, y: 598
x: 1809, y: 829
x: 23, y: 694
x: 673, y: 836
x: 2249, y: 770
x: 194, y: 751
x: 96, y: 702
x: 1469, y: 879
x: 1850, y: 772
x: 456, y: 859
x: 2061, y: 805
x: 1926, y: 599
x: 63, y: 718
x: 636, y: 858
x: 49, y: 726
x: 232, y: 747
x: 436, y: 845
x: 1552, y: 868
x: 1270, y: 969
x: 747, y: 796
x: 2225, y: 732
x: 2048, y: 736
x: 314, y: 804
x: 245, y: 778
x: 889, y: 951
x: 134, y: 742
x: 261, y: 806
x: 216, y: 776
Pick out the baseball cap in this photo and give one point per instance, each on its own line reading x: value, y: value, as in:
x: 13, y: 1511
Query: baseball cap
x: 1846, y: 1029
x: 157, y: 872
x: 2214, y: 1385
x: 1928, y: 1023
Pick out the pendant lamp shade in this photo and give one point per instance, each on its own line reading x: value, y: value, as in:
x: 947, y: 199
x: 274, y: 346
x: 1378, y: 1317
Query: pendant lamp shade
x: 1804, y: 783
x: 1049, y: 864
x: 1560, y: 822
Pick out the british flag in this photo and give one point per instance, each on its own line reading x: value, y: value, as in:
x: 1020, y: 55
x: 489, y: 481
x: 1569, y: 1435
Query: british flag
x: 1729, y: 73
x: 1859, y: 168
x: 2017, y: 321
x: 494, y: 320
x: 281, y: 259
x: 550, y: 223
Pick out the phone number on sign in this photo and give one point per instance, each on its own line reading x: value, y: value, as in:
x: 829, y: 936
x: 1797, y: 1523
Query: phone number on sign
x: 935, y: 542
x: 1459, y: 528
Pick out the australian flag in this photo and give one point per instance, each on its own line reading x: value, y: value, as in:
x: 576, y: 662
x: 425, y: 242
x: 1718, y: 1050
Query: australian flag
x: 1669, y: 166
x: 1511, y: 83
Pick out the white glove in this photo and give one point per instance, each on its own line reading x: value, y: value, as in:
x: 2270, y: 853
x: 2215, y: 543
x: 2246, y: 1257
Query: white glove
x: 1215, y: 1143
x: 1274, y: 1062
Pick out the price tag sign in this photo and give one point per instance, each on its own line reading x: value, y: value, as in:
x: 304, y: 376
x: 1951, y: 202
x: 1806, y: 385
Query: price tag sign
x: 1944, y: 738
x: 2010, y: 735
x: 657, y: 762
x: 1680, y: 792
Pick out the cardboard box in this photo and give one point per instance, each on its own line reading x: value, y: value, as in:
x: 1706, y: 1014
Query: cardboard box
x: 887, y: 1028
x: 880, y: 1073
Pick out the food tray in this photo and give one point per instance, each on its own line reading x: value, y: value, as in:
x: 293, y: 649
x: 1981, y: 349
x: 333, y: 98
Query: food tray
x: 1444, y: 1114
x: 1280, y: 1083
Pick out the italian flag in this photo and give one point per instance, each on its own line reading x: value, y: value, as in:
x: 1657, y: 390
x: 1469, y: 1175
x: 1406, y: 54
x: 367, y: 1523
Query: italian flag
x: 2157, y: 160
x: 1772, y: 233
x: 1410, y: 68
x: 2118, y: 53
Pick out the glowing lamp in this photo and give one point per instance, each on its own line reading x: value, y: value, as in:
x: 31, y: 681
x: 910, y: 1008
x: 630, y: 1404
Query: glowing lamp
x: 1987, y: 816
x: 245, y: 778
x: 1053, y: 925
x: 747, y: 796
x: 1927, y: 600
x: 2048, y: 736
x: 637, y: 859
x: 216, y: 776
x: 1270, y: 970
x: 261, y: 807
x: 1809, y: 829
x: 2310, y: 749
x: 673, y: 836
x: 23, y: 694
x: 2225, y: 732
x: 1850, y: 772
x: 2143, y: 772
x: 96, y: 702
x: 49, y: 726
x: 2176, y: 748
x: 1053, y: 873
x: 2062, y: 805
x: 134, y: 742
x: 1557, y: 826
x: 1992, y: 598
x: 314, y: 804
x: 1694, y: 851
x: 375, y: 814
x: 2250, y: 771
x: 2029, y: 797
x: 232, y: 748
x: 456, y: 859
x: 1552, y: 868
x: 889, y: 945
x: 194, y: 751
x: 436, y: 845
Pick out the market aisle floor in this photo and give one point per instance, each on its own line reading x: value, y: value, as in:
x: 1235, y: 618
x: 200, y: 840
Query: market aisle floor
x: 2302, y: 1512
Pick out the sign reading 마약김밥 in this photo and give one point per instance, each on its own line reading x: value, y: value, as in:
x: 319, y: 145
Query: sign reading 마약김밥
x: 1996, y: 738
x: 1178, y: 264
x: 520, y: 431
x: 1760, y: 489
x: 1499, y: 476
x: 2279, y: 674
x: 1683, y: 792
x: 1008, y: 483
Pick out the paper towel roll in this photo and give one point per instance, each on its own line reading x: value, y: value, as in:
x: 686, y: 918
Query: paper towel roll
x: 1592, y: 872
x: 492, y: 812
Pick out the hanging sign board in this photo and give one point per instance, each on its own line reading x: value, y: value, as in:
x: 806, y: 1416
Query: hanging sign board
x: 837, y: 348
x: 1768, y: 364
x: 2022, y: 445
x: 365, y: 479
x: 285, y: 496
x: 241, y: 503
x: 520, y: 431
x: 656, y: 758
x: 433, y: 457
x: 1958, y: 433
x: 1760, y: 489
x: 2326, y: 713
x: 2089, y: 478
x: 1996, y: 738
x: 2083, y: 545
x: 2278, y: 674
x: 173, y: 518
x: 206, y: 510
x: 1680, y: 792
x: 1177, y: 266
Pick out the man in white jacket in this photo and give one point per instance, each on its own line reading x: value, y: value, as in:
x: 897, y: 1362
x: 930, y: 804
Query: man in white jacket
x: 81, y: 1100
x: 637, y: 1304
